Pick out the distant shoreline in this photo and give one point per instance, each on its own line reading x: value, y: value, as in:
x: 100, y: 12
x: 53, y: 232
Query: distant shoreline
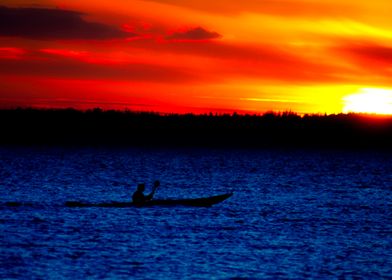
x: 124, y: 128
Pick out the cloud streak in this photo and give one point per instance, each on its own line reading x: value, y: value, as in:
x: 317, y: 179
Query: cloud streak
x: 54, y: 24
x: 298, y: 8
x: 56, y: 66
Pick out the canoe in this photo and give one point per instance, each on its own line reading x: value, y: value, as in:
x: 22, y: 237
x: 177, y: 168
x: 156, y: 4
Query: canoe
x: 195, y: 202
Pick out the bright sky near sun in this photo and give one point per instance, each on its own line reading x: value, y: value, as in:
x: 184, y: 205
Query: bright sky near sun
x: 307, y: 56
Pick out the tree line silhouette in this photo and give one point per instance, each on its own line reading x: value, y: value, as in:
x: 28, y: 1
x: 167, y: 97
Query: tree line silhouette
x: 29, y: 126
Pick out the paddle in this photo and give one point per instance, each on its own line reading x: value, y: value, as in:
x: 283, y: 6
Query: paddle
x: 156, y: 185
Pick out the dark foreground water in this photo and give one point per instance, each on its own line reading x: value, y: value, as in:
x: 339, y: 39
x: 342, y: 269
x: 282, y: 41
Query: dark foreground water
x: 294, y: 214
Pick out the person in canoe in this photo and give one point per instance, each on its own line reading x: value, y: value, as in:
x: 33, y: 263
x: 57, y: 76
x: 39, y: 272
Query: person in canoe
x: 138, y: 197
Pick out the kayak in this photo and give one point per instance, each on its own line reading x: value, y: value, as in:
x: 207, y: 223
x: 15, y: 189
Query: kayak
x: 195, y: 202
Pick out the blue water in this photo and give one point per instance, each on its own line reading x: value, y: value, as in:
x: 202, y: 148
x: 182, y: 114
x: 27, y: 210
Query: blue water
x: 294, y: 214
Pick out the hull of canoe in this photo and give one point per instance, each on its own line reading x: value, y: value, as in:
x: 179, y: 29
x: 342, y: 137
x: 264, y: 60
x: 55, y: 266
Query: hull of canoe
x: 195, y: 202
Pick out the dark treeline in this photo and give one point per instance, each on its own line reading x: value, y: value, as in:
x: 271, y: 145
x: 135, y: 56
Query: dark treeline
x: 97, y: 127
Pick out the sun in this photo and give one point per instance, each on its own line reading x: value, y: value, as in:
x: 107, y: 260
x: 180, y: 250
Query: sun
x: 370, y: 101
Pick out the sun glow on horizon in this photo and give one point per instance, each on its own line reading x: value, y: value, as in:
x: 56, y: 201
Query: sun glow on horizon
x: 197, y: 56
x: 370, y: 101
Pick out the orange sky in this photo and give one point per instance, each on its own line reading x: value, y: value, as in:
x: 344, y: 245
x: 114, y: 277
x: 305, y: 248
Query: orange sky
x: 195, y: 56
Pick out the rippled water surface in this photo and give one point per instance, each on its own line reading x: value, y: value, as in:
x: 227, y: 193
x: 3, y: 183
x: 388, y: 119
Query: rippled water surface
x: 294, y: 214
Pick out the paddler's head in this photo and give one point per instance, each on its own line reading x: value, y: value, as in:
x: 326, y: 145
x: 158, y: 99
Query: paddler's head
x: 141, y: 187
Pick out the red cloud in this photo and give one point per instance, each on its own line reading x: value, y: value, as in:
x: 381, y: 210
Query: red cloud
x: 194, y: 34
x: 373, y: 52
x: 51, y: 65
x: 370, y: 58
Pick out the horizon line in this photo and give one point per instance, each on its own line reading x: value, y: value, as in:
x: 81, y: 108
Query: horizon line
x: 218, y: 112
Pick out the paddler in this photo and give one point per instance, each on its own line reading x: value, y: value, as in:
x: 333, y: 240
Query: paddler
x: 138, y: 197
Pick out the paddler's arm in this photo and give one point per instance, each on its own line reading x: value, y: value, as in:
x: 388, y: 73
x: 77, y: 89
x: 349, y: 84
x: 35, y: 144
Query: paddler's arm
x: 156, y: 185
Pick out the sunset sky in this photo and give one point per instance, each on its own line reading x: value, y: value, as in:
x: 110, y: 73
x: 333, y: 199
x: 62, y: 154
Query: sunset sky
x: 307, y: 56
